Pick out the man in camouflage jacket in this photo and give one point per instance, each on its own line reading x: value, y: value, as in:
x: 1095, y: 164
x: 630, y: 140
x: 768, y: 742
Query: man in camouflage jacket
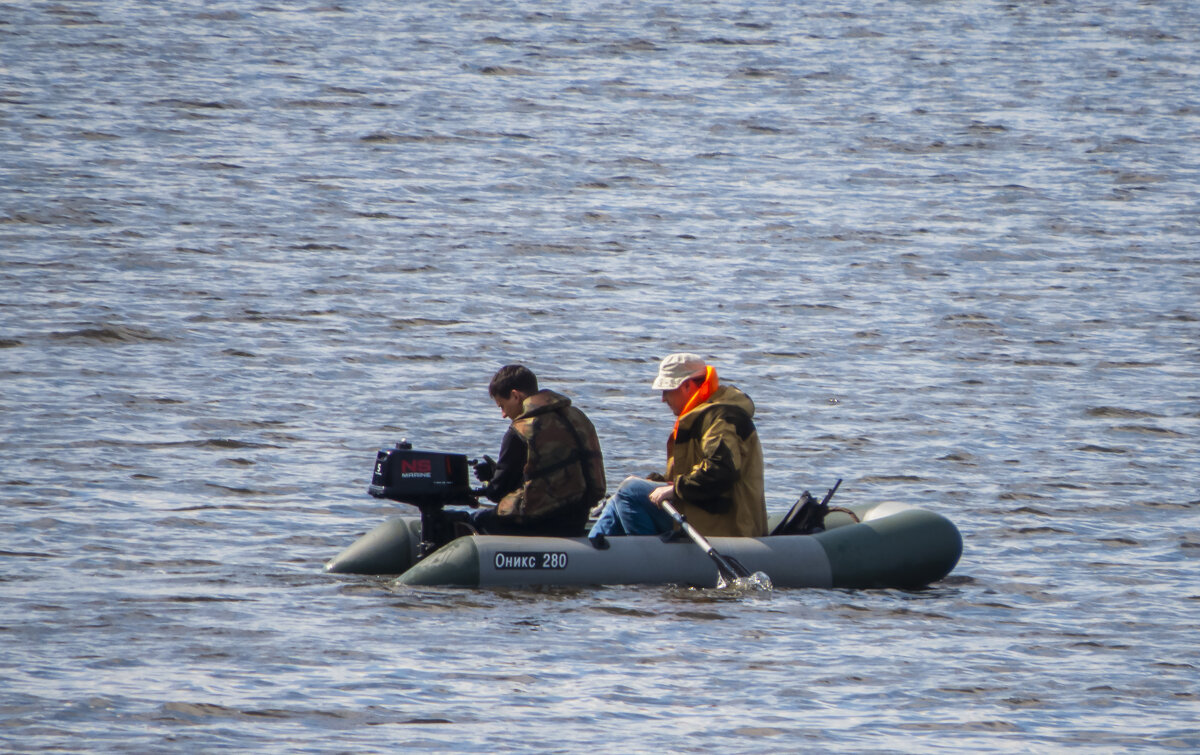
x: 550, y: 472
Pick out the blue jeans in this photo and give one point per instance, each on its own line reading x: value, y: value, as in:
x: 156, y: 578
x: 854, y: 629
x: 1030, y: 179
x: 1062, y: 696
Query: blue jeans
x: 630, y: 512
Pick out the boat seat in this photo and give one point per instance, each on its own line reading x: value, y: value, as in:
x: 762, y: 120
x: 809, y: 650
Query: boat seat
x: 464, y: 528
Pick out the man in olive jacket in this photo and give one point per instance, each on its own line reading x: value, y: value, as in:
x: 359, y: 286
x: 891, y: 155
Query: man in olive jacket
x: 714, y: 462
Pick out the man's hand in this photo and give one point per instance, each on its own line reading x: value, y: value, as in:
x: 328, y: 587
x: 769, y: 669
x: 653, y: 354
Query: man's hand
x: 486, y: 469
x: 660, y: 494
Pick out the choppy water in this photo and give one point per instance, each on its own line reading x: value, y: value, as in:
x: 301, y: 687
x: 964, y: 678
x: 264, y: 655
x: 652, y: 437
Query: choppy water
x: 951, y: 250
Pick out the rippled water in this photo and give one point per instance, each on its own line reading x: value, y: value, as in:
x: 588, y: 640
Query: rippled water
x: 951, y: 250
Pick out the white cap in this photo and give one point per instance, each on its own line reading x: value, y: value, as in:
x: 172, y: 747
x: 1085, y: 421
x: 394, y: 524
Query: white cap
x: 676, y: 368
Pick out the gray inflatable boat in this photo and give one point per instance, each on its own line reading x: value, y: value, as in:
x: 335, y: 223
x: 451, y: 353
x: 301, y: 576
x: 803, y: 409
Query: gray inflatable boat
x: 891, y: 545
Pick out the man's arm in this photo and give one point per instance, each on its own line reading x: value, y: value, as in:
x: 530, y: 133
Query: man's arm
x: 707, y: 485
x: 510, y: 467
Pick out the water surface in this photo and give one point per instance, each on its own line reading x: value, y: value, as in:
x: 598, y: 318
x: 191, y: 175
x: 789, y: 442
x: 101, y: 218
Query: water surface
x: 950, y: 249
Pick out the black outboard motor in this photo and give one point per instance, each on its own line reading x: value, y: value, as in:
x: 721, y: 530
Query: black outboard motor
x: 429, y: 480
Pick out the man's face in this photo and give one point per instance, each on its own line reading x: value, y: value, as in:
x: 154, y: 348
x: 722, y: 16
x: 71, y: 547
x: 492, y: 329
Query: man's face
x: 510, y: 407
x: 677, y: 398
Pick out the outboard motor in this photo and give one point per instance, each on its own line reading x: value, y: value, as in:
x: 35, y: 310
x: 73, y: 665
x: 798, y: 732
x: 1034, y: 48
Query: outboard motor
x: 429, y: 480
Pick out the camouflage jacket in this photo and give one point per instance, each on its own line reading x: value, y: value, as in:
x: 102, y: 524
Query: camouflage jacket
x: 564, y: 468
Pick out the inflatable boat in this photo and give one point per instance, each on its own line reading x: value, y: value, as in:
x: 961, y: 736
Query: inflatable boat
x: 880, y: 545
x: 890, y: 545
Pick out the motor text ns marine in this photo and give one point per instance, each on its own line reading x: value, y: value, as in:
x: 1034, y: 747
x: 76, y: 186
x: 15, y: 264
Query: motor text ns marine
x: 421, y: 478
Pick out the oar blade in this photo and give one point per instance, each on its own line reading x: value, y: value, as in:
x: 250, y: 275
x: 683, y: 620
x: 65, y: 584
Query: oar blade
x: 737, y: 567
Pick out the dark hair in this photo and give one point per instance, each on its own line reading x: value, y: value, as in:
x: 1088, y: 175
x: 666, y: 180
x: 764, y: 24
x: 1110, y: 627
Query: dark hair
x: 512, y: 377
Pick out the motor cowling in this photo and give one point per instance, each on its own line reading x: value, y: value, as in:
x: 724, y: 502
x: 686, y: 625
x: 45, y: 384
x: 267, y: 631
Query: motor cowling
x: 420, y: 478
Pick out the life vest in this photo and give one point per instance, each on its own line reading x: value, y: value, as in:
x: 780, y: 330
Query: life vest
x: 564, y: 466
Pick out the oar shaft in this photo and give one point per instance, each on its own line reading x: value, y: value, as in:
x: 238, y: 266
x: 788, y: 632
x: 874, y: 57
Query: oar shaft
x: 687, y: 526
x: 724, y: 568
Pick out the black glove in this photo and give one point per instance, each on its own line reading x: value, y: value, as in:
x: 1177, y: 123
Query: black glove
x: 486, y: 469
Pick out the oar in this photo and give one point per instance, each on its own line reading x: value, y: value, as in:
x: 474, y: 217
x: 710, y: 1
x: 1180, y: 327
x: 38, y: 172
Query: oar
x: 728, y: 567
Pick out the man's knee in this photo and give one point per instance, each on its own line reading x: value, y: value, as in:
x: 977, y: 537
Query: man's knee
x: 633, y: 488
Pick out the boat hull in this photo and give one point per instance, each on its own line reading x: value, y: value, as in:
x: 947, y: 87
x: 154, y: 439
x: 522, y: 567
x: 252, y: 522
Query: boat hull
x: 894, y: 545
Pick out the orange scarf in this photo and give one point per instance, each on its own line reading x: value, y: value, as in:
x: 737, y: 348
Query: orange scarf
x: 705, y: 392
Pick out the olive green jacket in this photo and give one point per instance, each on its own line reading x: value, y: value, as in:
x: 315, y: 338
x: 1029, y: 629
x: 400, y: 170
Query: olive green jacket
x: 716, y: 465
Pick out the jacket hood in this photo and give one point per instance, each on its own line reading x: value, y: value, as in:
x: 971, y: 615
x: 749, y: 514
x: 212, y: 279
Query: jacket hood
x: 543, y: 401
x: 728, y: 394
